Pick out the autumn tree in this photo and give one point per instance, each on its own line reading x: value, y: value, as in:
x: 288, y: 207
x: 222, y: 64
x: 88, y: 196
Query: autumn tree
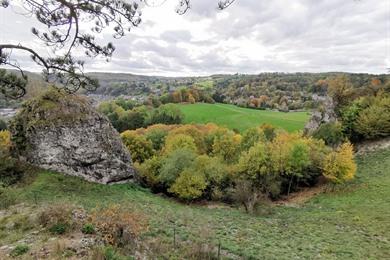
x: 256, y: 177
x: 149, y: 172
x: 298, y: 162
x: 339, y: 165
x: 189, y: 185
x: 216, y: 173
x: 252, y: 136
x: 194, y: 132
x: 174, y: 164
x: 227, y: 145
x: 340, y: 89
x: 11, y: 170
x: 179, y: 141
x: 165, y: 114
x: 157, y: 137
x: 374, y: 121
x: 140, y: 148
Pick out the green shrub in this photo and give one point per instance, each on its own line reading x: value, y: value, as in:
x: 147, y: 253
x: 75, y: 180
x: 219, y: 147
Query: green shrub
x: 7, y: 197
x: 3, y: 125
x: 349, y: 115
x: 107, y: 253
x: 157, y: 137
x: 11, y: 171
x: 331, y: 133
x: 57, y: 218
x: 149, y: 171
x: 19, y: 250
x: 174, y: 164
x: 166, y: 114
x: 88, y: 229
x: 298, y: 162
x: 367, y: 118
x: 252, y: 136
x: 374, y: 121
x: 59, y: 228
x: 111, y: 254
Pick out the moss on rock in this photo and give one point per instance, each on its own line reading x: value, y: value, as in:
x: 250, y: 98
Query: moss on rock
x: 55, y: 107
x: 64, y: 133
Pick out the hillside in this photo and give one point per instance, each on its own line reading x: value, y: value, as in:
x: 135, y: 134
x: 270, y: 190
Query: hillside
x: 268, y: 90
x: 349, y: 223
x: 239, y: 118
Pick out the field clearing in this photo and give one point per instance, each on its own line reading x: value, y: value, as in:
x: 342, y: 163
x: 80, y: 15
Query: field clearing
x: 349, y: 223
x: 239, y: 118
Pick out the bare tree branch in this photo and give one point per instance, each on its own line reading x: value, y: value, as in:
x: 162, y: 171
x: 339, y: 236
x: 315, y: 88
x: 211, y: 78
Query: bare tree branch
x: 61, y: 32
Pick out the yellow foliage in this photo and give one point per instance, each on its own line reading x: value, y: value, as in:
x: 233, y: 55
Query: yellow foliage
x: 189, y: 185
x: 227, y: 145
x: 191, y: 99
x: 5, y: 141
x: 179, y: 141
x: 192, y: 131
x: 140, y: 148
x: 339, y: 165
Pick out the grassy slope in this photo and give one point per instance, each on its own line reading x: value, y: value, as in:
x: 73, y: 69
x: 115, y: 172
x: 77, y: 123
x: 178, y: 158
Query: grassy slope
x: 242, y: 118
x: 352, y: 223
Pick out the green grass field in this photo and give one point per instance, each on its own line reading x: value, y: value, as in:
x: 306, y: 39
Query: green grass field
x: 350, y: 223
x: 239, y: 118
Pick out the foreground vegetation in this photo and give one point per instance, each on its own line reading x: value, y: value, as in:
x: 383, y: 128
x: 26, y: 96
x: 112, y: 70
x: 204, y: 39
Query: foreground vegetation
x: 350, y: 222
x: 241, y: 119
x: 195, y: 162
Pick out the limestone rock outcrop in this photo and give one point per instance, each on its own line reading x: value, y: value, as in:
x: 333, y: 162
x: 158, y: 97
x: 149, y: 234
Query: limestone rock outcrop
x: 325, y: 115
x: 64, y: 133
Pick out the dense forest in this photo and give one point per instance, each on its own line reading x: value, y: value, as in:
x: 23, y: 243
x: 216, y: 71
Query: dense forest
x: 282, y: 91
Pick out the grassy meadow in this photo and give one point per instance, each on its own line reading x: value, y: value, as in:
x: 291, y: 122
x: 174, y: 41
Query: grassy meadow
x: 239, y: 118
x: 351, y: 222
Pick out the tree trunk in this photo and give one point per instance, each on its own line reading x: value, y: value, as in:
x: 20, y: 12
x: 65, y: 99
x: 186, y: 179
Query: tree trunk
x: 289, y: 186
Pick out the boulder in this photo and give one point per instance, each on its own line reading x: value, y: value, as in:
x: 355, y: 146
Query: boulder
x: 64, y: 133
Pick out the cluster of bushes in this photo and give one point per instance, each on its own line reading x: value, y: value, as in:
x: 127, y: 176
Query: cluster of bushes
x: 210, y: 162
x: 125, y: 115
x: 367, y: 117
x: 363, y: 113
x: 11, y: 170
x: 115, y: 225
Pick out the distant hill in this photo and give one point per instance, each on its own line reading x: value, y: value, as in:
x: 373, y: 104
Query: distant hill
x: 276, y: 90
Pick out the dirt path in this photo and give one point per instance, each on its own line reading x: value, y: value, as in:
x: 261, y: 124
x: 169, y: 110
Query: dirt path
x: 372, y: 146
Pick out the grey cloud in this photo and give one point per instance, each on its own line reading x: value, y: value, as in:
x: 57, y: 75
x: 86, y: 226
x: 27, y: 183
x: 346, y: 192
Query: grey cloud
x: 299, y: 35
x: 176, y: 36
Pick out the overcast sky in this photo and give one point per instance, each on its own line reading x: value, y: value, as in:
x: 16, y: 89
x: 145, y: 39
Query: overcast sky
x: 251, y: 36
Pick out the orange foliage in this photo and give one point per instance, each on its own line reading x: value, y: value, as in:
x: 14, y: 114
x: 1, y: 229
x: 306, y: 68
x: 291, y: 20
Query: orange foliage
x: 117, y: 225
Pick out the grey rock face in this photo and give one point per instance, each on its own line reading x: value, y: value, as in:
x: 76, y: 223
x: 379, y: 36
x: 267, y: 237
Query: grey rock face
x: 86, y: 145
x: 325, y: 115
x: 90, y: 149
